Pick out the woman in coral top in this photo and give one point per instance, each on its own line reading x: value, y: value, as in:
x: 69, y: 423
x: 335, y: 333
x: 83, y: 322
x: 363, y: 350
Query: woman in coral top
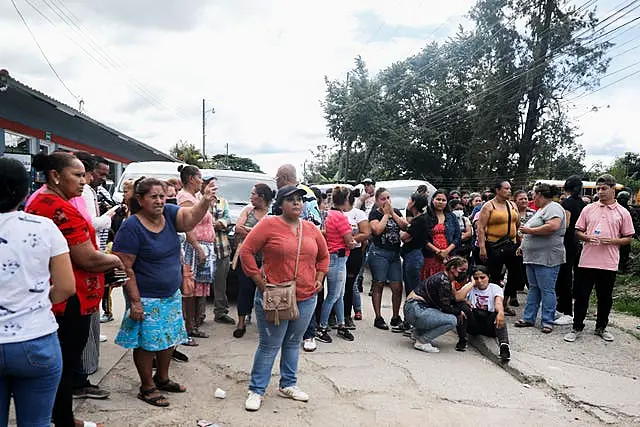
x: 277, y: 238
x: 64, y: 175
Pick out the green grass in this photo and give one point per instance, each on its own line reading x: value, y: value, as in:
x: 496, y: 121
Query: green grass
x: 626, y: 295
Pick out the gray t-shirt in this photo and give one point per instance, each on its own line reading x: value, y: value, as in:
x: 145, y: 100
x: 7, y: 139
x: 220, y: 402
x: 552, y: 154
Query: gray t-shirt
x: 545, y: 250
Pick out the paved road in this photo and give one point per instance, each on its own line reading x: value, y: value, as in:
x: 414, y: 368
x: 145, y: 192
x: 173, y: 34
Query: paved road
x: 379, y: 379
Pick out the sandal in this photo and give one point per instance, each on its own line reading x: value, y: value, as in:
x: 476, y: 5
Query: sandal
x: 199, y: 334
x: 546, y: 329
x: 522, y: 324
x: 509, y: 311
x: 168, y: 385
x: 239, y: 332
x: 158, y: 400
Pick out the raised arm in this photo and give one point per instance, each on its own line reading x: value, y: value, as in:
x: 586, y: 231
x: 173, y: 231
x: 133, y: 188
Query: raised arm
x: 189, y: 217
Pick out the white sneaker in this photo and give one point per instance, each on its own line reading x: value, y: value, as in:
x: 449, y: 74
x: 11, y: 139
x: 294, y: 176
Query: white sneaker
x: 572, y: 336
x: 564, y: 320
x: 253, y: 402
x: 103, y: 338
x: 604, y: 334
x: 294, y: 393
x: 426, y: 347
x: 309, y: 345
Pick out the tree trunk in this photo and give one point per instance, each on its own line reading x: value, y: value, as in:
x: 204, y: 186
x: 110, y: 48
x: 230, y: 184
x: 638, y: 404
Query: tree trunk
x: 370, y: 149
x: 538, y: 68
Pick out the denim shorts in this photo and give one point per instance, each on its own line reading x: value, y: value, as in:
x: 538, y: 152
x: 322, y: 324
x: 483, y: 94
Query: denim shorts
x: 385, y: 265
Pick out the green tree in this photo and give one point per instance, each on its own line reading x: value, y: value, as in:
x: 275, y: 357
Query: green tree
x: 186, y: 152
x: 232, y: 162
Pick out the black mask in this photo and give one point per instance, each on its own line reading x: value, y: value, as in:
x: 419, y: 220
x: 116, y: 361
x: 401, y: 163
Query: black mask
x: 462, y: 276
x: 171, y: 201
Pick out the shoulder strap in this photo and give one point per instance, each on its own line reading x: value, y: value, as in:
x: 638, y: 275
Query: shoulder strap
x: 508, y: 219
x: 295, y: 276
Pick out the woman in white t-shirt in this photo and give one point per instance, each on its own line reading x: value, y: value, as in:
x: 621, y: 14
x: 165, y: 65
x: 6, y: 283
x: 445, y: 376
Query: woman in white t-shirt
x: 359, y: 222
x: 486, y: 316
x: 35, y: 271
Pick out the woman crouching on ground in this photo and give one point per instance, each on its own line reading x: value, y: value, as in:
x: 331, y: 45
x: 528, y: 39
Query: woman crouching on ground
x: 433, y: 307
x: 278, y: 239
x: 148, y: 245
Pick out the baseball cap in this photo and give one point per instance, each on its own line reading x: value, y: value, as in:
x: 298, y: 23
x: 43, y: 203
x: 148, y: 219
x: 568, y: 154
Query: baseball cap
x: 367, y: 181
x: 286, y: 191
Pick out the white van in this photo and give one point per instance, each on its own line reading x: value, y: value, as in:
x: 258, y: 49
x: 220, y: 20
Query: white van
x: 159, y: 170
x: 401, y: 190
x: 234, y: 186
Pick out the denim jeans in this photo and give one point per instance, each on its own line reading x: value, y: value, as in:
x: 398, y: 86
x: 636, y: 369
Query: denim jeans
x: 286, y: 337
x: 336, y: 279
x: 428, y: 323
x: 542, y: 288
x: 413, y: 262
x: 357, y: 300
x: 30, y: 371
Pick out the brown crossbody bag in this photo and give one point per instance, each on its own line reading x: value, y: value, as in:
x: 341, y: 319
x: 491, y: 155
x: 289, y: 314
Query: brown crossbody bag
x: 279, y: 299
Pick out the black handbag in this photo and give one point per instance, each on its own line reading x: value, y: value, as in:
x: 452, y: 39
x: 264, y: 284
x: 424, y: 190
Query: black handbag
x: 504, y: 246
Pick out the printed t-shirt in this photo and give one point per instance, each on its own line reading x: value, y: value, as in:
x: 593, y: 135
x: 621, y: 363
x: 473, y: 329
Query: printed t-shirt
x: 390, y: 238
x: 485, y: 299
x: 27, y: 243
x: 336, y: 226
x: 614, y: 221
x: 355, y: 217
x: 158, y: 266
x: 76, y: 230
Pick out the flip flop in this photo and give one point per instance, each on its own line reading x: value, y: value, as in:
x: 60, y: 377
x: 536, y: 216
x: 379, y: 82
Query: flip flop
x: 546, y: 329
x: 199, y: 334
x: 159, y: 400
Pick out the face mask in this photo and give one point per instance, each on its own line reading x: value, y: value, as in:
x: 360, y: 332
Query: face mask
x: 171, y: 201
x: 462, y: 276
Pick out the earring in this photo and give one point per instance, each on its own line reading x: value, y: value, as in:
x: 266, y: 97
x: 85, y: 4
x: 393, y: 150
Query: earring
x: 57, y: 182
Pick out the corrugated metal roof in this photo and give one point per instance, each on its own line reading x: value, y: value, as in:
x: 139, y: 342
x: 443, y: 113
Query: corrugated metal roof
x: 15, y: 84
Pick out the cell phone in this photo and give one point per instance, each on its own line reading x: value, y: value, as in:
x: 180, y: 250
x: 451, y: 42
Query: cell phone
x: 342, y: 252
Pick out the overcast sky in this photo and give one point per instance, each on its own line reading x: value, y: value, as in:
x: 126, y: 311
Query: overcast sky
x: 143, y: 66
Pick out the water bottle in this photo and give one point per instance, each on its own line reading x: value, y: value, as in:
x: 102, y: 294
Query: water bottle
x: 597, y: 232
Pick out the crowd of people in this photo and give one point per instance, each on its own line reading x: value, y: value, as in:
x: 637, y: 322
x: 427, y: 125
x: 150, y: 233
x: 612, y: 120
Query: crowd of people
x: 457, y: 259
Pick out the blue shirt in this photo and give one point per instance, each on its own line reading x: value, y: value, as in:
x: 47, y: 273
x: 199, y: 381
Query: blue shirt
x: 158, y: 265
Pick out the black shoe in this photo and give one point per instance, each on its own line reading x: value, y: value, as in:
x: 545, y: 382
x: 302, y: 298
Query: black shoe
x: 403, y: 326
x: 239, y: 332
x: 345, y: 334
x: 333, y: 321
x: 348, y: 323
x: 225, y: 319
x: 322, y: 335
x: 381, y: 324
x: 505, y: 352
x: 407, y: 332
x: 179, y: 356
x: 513, y: 302
x: 90, y: 392
x: 462, y: 345
x: 396, y: 321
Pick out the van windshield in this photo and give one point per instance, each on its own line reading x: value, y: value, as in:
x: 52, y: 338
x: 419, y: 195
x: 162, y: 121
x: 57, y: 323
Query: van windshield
x: 400, y: 196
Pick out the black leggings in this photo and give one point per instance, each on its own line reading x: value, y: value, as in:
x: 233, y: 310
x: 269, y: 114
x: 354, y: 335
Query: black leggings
x: 482, y: 322
x: 73, y: 331
x: 246, y: 292
x: 354, y: 262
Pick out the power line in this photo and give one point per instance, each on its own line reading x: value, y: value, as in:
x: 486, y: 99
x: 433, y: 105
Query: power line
x: 44, y: 55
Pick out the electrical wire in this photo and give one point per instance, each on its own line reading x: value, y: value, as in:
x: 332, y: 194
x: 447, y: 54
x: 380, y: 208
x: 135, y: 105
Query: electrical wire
x: 44, y: 55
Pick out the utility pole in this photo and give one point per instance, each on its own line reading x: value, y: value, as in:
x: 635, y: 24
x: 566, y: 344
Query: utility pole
x: 204, y: 136
x: 227, y: 155
x: 204, y: 127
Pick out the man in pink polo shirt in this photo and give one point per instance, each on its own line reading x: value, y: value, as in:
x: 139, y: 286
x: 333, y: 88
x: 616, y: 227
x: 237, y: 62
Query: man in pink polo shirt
x: 604, y: 226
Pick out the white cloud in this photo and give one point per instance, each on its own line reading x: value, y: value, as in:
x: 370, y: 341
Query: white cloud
x: 261, y: 65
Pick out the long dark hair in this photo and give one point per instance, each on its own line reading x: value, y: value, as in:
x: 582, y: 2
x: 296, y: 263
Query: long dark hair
x: 573, y: 185
x: 432, y: 209
x: 14, y: 184
x: 141, y: 187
